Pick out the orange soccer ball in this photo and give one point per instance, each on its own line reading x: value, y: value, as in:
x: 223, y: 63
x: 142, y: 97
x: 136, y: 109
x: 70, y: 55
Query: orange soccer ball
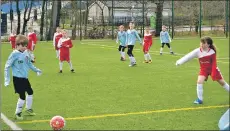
x: 57, y: 123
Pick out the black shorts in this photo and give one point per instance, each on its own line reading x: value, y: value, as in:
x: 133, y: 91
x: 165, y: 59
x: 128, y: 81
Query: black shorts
x: 21, y: 85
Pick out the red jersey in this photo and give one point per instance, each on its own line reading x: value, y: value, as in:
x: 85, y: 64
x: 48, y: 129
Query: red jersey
x: 207, y: 60
x: 12, y: 40
x: 64, y: 45
x: 148, y: 40
x: 32, y: 40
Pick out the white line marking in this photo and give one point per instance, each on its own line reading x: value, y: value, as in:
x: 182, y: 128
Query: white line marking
x: 150, y: 51
x: 10, y: 123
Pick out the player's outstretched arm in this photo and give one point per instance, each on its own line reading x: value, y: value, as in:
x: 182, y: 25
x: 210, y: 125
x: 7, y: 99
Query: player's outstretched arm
x: 8, y: 64
x: 188, y: 57
x: 138, y: 37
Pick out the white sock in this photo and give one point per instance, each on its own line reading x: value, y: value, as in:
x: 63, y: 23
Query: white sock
x: 199, y: 90
x: 123, y: 54
x: 161, y: 50
x: 60, y: 65
x: 170, y: 49
x: 134, y: 60
x: 131, y: 60
x: 29, y: 101
x: 19, y: 106
x: 70, y: 65
x: 145, y: 55
x: 120, y: 53
x: 149, y: 57
x: 226, y: 86
x: 57, y: 53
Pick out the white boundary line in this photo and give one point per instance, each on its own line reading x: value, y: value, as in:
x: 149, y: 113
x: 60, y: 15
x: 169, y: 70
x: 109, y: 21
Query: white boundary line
x: 150, y: 51
x: 10, y: 123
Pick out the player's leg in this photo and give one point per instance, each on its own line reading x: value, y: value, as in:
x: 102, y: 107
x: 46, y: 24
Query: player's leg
x: 123, y: 53
x: 70, y: 65
x: 119, y: 49
x: 29, y: 98
x: 19, y: 88
x: 130, y: 54
x: 60, y: 65
x: 170, y: 48
x: 162, y: 46
x: 148, y: 55
x: 221, y: 80
x: 199, y: 89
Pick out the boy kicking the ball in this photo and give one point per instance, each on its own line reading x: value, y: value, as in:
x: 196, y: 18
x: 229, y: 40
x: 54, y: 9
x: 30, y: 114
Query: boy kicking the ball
x: 20, y: 63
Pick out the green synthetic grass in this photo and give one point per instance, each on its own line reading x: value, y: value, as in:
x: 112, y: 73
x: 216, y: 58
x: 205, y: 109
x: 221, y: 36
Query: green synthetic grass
x: 104, y: 85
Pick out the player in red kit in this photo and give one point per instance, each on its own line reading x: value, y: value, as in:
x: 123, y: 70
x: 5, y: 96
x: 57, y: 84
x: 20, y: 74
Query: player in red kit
x: 64, y: 45
x: 12, y: 39
x: 32, y: 37
x: 147, y: 43
x: 56, y: 38
x: 208, y: 66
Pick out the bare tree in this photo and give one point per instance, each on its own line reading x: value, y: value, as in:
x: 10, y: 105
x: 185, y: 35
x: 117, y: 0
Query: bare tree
x: 102, y: 6
x: 42, y: 19
x: 27, y: 6
x: 58, y: 13
x: 53, y: 20
x: 86, y: 17
x: 159, y: 17
x: 75, y: 19
x: 19, y: 17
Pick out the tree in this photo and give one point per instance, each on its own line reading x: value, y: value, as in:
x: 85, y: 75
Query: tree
x: 75, y: 18
x: 159, y: 17
x: 53, y: 19
x: 86, y: 17
x: 42, y: 19
x: 101, y: 5
x: 19, y: 17
x: 27, y: 6
x: 58, y: 13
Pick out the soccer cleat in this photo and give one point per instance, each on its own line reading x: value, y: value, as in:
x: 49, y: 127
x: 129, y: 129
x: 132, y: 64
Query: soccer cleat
x: 172, y: 53
x: 160, y: 53
x: 198, y: 101
x: 60, y: 71
x: 145, y: 61
x: 32, y: 61
x: 30, y: 112
x: 150, y: 61
x: 72, y: 71
x: 18, y: 116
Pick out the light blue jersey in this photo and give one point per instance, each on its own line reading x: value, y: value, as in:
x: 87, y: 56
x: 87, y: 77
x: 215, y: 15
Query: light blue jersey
x: 164, y: 37
x: 132, y: 35
x: 20, y: 63
x: 122, y: 38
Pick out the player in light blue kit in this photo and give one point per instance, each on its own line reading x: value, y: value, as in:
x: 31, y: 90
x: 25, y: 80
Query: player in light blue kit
x: 122, y: 39
x: 165, y: 39
x: 20, y: 63
x: 132, y: 34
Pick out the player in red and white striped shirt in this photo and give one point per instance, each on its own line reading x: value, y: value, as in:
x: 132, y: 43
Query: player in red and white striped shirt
x: 64, y: 45
x: 208, y: 66
x: 56, y: 38
x: 32, y: 37
x: 12, y: 39
x: 147, y: 43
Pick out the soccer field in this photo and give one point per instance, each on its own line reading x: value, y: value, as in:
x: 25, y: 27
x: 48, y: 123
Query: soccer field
x: 106, y: 94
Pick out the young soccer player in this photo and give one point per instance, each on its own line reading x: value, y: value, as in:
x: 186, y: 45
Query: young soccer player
x: 32, y: 42
x: 132, y: 34
x: 147, y: 43
x: 122, y: 39
x: 208, y: 66
x: 64, y: 45
x: 165, y: 39
x: 12, y: 39
x: 20, y: 63
x: 56, y: 38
